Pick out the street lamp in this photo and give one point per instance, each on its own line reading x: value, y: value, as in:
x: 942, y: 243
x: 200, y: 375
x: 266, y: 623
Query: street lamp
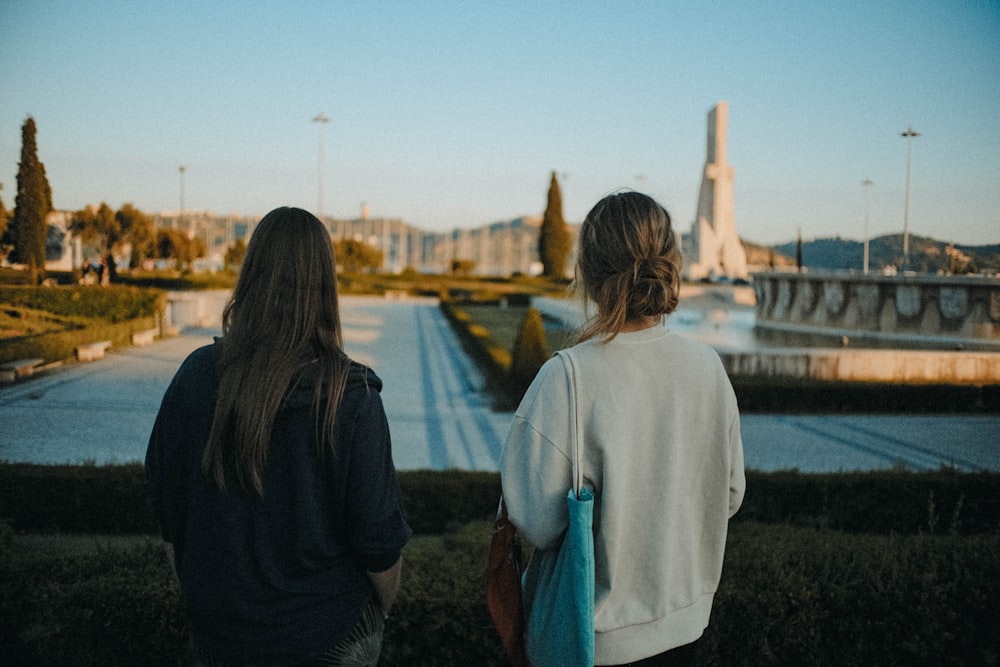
x: 909, y: 134
x: 867, y: 183
x: 180, y: 215
x: 322, y: 119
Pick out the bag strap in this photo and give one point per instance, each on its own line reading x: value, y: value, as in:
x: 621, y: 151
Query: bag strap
x: 577, y: 431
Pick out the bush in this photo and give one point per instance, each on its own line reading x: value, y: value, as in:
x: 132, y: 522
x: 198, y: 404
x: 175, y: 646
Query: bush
x: 112, y: 604
x: 789, y: 596
x: 793, y: 596
x: 492, y: 358
x: 880, y: 502
x: 61, y: 345
x: 530, y: 353
x: 110, y: 304
x: 92, y: 314
x: 111, y: 500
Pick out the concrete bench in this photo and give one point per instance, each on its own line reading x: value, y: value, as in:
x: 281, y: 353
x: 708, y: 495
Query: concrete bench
x: 92, y: 351
x: 143, y: 338
x: 15, y: 370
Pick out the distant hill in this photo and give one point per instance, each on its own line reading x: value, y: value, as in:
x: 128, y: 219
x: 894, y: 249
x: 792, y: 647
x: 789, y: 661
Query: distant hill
x: 927, y: 255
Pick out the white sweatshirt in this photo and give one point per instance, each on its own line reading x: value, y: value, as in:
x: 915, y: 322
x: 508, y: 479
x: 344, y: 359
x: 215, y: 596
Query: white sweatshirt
x: 663, y: 454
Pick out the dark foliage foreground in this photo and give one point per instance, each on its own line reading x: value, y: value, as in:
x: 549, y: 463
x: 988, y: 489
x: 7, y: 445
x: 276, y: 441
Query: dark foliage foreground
x: 888, y: 568
x: 789, y: 596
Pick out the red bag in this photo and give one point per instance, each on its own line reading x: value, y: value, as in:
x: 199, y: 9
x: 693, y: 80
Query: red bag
x: 503, y: 587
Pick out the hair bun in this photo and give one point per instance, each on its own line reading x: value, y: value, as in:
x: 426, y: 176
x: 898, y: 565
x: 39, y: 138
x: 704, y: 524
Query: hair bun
x: 652, y: 290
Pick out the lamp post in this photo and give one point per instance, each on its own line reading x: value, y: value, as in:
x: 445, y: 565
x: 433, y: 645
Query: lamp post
x: 909, y: 134
x: 180, y: 215
x: 322, y: 119
x: 867, y: 183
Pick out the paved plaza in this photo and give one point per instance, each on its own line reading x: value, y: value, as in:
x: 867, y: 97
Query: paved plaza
x: 102, y: 411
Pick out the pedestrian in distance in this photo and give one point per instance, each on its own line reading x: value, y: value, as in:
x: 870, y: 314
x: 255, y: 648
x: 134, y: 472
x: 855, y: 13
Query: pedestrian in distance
x: 270, y: 471
x: 660, y: 441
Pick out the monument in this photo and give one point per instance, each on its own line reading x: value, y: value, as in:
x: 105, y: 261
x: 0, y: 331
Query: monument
x: 714, y: 249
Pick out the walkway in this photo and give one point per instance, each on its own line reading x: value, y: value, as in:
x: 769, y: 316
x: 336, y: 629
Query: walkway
x: 102, y: 412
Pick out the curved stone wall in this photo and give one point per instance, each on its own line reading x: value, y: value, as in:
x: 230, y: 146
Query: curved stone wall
x: 946, y: 309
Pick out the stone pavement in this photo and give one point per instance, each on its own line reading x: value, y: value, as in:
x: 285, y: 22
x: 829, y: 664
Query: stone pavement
x: 102, y: 411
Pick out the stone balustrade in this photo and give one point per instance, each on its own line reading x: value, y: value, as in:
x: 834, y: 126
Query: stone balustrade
x: 944, y: 310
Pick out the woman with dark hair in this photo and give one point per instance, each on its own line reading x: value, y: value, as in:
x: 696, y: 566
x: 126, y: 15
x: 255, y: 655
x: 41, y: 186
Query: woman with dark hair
x: 660, y: 436
x: 270, y: 471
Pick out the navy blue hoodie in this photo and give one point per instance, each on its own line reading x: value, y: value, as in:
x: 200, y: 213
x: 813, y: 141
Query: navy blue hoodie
x: 282, y: 576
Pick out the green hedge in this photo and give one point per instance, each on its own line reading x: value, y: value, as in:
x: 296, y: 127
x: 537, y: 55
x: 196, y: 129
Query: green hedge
x: 61, y: 345
x: 94, y: 314
x: 111, y: 500
x: 883, y: 502
x: 493, y: 359
x: 911, y: 575
x: 110, y: 304
x: 789, y: 596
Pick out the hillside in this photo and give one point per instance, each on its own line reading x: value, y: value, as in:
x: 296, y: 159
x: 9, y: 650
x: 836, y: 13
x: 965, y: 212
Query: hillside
x: 927, y: 255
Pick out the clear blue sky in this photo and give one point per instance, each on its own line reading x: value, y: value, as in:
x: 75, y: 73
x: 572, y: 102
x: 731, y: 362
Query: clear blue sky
x: 453, y: 114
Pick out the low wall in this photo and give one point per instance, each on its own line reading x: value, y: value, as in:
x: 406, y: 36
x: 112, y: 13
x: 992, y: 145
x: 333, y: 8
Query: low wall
x: 955, y: 311
x: 195, y: 309
x: 916, y: 367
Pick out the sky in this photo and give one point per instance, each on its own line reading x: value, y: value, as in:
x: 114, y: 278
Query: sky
x: 454, y: 114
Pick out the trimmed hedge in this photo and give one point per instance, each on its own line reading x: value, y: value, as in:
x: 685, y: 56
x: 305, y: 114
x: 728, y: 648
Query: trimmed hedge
x: 94, y: 313
x: 111, y: 304
x: 774, y: 395
x: 492, y: 358
x: 789, y: 596
x: 61, y: 345
x: 924, y: 590
x: 111, y: 500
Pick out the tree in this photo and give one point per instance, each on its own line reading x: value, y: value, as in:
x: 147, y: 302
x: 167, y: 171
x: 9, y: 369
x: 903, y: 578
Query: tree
x: 5, y: 216
x: 235, y: 255
x: 175, y: 244
x: 32, y: 204
x: 553, y: 238
x: 798, y: 252
x: 529, y: 354
x: 136, y: 229
x: 110, y: 230
x: 354, y: 256
x: 99, y: 226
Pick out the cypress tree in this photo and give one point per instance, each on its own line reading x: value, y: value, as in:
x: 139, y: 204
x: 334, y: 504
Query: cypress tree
x: 798, y: 252
x: 553, y: 238
x: 530, y: 352
x: 4, y: 219
x: 28, y: 230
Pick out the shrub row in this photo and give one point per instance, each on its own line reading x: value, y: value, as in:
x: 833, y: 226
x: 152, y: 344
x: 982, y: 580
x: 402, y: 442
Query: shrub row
x: 61, y: 345
x: 111, y: 500
x: 493, y: 359
x: 111, y: 304
x: 816, y: 396
x: 789, y: 596
x: 95, y: 313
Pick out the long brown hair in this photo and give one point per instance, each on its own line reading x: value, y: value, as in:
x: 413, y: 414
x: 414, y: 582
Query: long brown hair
x: 628, y: 263
x: 281, y: 320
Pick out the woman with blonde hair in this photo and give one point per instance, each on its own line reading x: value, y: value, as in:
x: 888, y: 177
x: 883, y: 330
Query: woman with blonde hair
x: 270, y: 471
x: 660, y: 436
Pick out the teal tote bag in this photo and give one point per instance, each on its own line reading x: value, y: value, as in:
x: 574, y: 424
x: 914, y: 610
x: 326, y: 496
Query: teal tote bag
x: 560, y: 626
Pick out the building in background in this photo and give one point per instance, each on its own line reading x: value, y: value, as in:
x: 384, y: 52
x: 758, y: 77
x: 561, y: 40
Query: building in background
x: 501, y: 248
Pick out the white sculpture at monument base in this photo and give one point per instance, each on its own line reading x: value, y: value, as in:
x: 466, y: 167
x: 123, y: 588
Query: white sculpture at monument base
x: 714, y: 249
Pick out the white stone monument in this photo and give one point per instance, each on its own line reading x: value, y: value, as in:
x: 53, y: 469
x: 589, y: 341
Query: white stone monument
x: 714, y: 249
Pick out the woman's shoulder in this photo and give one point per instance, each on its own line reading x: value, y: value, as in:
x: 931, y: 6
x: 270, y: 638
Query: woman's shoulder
x: 202, y: 359
x: 361, y: 377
